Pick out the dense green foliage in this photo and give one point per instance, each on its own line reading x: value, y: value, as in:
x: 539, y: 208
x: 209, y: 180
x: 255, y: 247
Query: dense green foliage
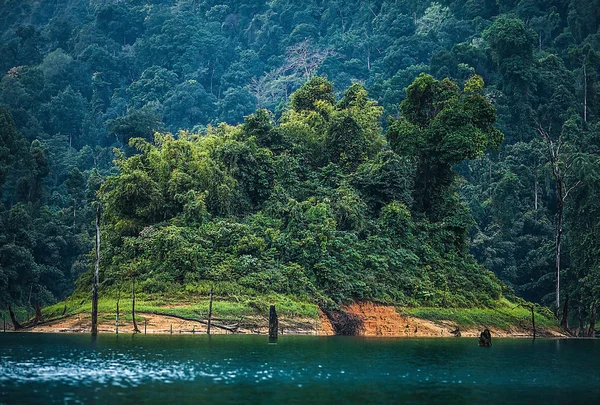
x: 315, y: 175
x: 288, y: 208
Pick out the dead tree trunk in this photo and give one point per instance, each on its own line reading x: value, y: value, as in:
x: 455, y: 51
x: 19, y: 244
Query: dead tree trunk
x: 533, y: 321
x: 580, y: 331
x: 13, y: 318
x: 209, y: 311
x: 95, y: 278
x: 564, y: 322
x: 38, y: 315
x: 117, y: 313
x: 561, y: 167
x: 592, y: 328
x: 584, y: 93
x: 29, y: 302
x: 559, y: 233
x: 135, y: 327
x: 273, y: 323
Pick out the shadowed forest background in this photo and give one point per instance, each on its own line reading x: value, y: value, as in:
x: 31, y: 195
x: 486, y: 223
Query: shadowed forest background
x: 338, y: 184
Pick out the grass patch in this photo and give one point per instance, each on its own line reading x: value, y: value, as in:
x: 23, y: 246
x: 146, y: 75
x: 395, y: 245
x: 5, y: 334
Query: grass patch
x: 505, y: 315
x: 189, y: 306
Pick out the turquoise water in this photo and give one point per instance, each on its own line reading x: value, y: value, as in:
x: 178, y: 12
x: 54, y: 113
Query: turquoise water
x: 70, y: 369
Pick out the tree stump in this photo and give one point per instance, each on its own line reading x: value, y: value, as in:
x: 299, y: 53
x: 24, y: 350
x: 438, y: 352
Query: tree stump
x: 273, y: 323
x: 485, y: 338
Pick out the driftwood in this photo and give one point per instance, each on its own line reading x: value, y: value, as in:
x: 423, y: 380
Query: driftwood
x: 49, y: 321
x: 232, y: 329
x: 13, y: 318
x: 456, y: 332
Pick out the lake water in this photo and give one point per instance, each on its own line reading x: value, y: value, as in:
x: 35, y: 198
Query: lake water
x: 181, y: 369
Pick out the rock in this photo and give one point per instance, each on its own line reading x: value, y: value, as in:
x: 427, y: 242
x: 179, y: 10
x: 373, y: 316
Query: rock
x: 456, y: 332
x: 485, y: 338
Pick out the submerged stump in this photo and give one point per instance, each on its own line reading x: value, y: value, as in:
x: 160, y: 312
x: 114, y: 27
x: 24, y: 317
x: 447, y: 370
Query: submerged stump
x: 485, y: 338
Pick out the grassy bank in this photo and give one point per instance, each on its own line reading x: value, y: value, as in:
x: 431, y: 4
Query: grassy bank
x: 192, y: 307
x: 505, y: 315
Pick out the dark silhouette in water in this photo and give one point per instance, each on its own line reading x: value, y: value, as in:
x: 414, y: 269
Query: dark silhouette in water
x: 485, y: 338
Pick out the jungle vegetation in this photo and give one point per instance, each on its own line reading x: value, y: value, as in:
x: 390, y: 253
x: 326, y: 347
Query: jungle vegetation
x: 409, y: 152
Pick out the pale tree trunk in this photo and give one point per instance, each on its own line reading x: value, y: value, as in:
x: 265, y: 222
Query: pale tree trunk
x: 95, y: 278
x: 535, y: 192
x: 592, y: 328
x: 584, y: 93
x: 559, y: 232
x: 210, y: 311
x: 580, y: 332
x: 560, y: 171
x: 564, y: 322
x: 117, y: 314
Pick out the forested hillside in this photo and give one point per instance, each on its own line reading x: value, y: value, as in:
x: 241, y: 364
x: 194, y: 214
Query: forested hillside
x: 352, y: 175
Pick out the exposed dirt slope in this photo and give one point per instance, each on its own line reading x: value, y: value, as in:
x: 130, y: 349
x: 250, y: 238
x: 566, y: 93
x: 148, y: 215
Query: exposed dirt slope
x: 385, y: 321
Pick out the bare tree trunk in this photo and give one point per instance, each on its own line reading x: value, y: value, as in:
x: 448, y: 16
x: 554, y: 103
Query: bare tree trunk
x: 95, y: 278
x: 535, y: 191
x: 592, y: 328
x: 557, y: 252
x: 29, y: 302
x: 117, y: 314
x: 490, y: 177
x: 135, y: 327
x: 210, y: 310
x: 533, y: 320
x: 38, y: 315
x: 13, y: 319
x: 584, y: 93
x: 560, y: 172
x: 564, y: 322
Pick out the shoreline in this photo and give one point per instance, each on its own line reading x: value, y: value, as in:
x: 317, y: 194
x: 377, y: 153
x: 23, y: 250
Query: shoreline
x: 378, y: 321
